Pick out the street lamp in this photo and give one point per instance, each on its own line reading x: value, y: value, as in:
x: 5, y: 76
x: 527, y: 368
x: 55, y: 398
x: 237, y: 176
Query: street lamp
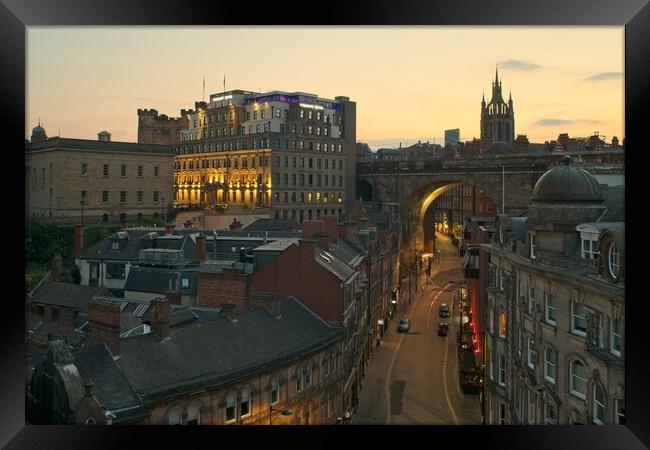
x: 284, y: 412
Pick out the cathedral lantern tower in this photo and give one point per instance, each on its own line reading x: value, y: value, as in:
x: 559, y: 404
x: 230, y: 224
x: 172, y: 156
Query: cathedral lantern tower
x: 497, y: 116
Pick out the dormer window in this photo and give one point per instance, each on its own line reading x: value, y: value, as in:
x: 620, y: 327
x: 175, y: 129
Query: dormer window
x: 115, y: 245
x: 613, y: 260
x: 589, y: 249
x: 533, y: 245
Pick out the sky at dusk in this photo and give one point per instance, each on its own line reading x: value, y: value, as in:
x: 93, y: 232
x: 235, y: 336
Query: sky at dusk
x: 410, y: 83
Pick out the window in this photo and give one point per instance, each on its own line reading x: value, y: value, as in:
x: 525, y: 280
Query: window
x: 599, y: 405
x: 105, y: 170
x: 502, y: 370
x: 550, y: 415
x: 502, y: 325
x: 140, y: 170
x: 579, y: 319
x: 550, y: 361
x: 550, y: 311
x: 307, y: 374
x: 122, y: 196
x: 531, y: 296
x: 155, y: 196
x: 55, y: 314
x: 193, y: 414
x: 174, y: 417
x: 531, y: 407
x: 244, y: 402
x: 139, y: 196
x: 502, y: 413
x: 299, y: 380
x: 84, y: 169
x: 104, y: 196
x: 156, y: 171
x: 589, y: 249
x: 123, y: 170
x: 231, y: 407
x: 615, y: 337
x: 619, y: 411
x: 185, y: 282
x: 531, y: 238
x: 613, y: 260
x: 578, y: 377
x: 115, y: 271
x: 531, y: 354
x: 598, y: 332
x: 275, y: 391
x: 84, y: 196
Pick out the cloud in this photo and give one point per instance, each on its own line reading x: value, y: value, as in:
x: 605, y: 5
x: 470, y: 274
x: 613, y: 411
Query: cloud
x: 605, y: 76
x: 556, y: 122
x: 518, y: 64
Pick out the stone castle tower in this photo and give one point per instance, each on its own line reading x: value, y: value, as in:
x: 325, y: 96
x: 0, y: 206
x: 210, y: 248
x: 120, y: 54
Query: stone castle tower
x: 497, y: 117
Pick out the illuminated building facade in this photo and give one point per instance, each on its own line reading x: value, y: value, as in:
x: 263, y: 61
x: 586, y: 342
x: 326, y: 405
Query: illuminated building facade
x: 291, y: 153
x: 454, y: 206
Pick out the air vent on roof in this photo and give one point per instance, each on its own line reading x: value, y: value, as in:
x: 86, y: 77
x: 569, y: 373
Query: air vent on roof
x: 140, y: 310
x: 325, y: 257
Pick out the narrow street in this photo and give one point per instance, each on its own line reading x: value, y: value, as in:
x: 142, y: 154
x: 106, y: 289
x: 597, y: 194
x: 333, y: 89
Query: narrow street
x: 412, y: 377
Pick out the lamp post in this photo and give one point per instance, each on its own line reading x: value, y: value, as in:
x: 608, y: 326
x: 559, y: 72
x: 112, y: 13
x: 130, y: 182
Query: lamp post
x: 284, y: 412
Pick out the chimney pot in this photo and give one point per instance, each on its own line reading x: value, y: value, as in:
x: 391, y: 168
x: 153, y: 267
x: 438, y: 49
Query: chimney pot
x: 159, y: 317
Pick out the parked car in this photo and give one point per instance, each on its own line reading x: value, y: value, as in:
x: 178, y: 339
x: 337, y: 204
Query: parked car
x: 443, y: 329
x: 443, y: 310
x: 404, y: 325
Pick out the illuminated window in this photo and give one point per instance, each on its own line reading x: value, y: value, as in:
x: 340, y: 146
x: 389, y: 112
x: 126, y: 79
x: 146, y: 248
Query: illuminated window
x: 502, y: 325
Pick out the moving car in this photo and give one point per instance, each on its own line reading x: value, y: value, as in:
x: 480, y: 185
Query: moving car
x: 404, y: 325
x: 443, y: 311
x: 443, y: 329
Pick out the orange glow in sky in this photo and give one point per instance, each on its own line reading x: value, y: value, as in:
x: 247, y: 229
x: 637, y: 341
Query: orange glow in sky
x: 409, y: 82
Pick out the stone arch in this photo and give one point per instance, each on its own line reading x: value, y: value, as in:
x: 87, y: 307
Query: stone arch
x: 364, y: 190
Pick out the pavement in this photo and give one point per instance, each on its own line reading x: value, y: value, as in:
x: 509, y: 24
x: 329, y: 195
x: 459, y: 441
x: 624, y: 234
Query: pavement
x: 412, y: 378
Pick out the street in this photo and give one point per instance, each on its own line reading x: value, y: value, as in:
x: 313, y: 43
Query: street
x: 412, y: 377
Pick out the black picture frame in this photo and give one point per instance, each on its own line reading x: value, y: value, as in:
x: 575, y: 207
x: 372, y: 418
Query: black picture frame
x: 16, y: 15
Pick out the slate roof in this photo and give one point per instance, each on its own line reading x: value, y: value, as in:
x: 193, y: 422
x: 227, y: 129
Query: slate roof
x: 333, y: 264
x: 614, y: 199
x: 220, y: 350
x: 111, y: 388
x: 271, y: 225
x: 138, y: 238
x: 100, y: 146
x: 345, y: 251
x: 68, y: 295
x: 156, y: 279
x: 276, y: 246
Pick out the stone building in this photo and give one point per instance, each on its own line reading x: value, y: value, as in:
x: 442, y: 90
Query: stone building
x: 292, y: 155
x: 555, y: 306
x: 79, y: 180
x: 497, y: 116
x: 275, y: 364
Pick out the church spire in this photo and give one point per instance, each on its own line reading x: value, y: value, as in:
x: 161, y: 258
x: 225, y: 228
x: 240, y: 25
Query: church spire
x: 496, y: 77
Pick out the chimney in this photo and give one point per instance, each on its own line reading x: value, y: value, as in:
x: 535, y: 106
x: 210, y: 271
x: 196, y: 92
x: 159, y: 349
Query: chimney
x: 104, y: 323
x: 614, y: 141
x: 200, y: 248
x: 57, y: 268
x: 350, y: 229
x: 322, y: 239
x: 78, y: 239
x: 331, y: 227
x: 269, y: 300
x: 159, y: 317
x: 310, y: 229
x: 170, y: 227
x: 235, y: 225
x: 229, y: 309
x: 364, y: 238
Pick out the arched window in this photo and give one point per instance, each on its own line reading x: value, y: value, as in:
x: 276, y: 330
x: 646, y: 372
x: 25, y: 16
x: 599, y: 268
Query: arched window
x: 613, y: 259
x: 123, y: 216
x: 174, y: 416
x: 104, y: 217
x: 578, y: 376
x: 599, y: 405
x: 550, y: 361
x: 275, y: 391
x: 193, y: 414
x: 245, y: 402
x: 231, y: 407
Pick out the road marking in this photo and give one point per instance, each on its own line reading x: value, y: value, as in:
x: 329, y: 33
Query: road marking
x: 444, y: 381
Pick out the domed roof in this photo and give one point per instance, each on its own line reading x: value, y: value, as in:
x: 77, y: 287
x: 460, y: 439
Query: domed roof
x: 38, y: 129
x: 567, y: 184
